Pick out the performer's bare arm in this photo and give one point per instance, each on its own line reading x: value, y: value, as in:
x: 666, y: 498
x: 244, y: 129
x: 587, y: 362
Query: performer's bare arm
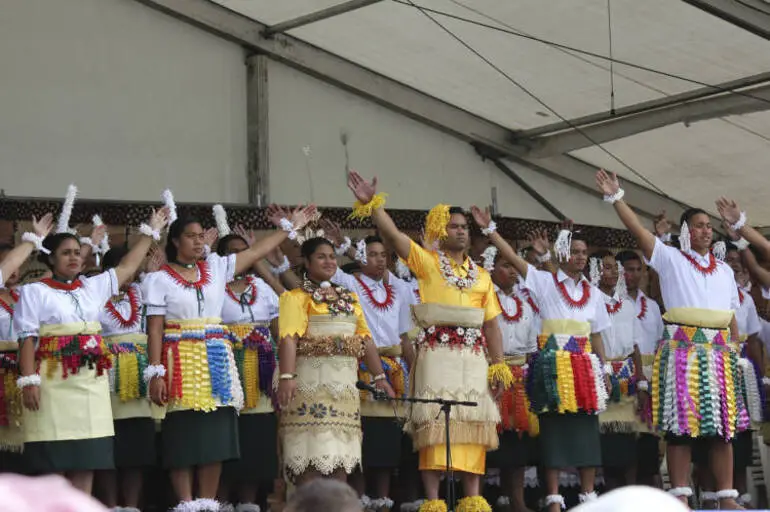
x: 407, y: 349
x: 609, y: 186
x: 158, y: 390
x: 755, y: 269
x: 287, y: 362
x: 364, y: 192
x: 731, y: 213
x: 482, y: 219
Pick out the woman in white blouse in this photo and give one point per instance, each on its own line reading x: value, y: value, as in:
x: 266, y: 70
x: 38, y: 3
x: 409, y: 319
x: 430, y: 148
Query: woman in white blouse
x: 250, y: 311
x: 122, y: 320
x: 64, y: 362
x: 192, y: 364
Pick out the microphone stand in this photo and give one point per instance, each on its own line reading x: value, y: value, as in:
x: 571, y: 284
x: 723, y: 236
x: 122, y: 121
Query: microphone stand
x: 446, y: 408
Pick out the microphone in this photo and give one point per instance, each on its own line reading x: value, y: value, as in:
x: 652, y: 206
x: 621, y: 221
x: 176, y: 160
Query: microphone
x: 363, y: 386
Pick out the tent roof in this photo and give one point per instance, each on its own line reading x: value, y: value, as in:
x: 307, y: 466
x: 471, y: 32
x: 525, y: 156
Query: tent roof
x: 716, y: 144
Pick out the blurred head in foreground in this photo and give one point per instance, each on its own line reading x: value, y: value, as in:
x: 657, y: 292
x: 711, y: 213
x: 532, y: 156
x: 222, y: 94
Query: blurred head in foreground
x: 634, y: 499
x: 43, y: 494
x: 326, y: 495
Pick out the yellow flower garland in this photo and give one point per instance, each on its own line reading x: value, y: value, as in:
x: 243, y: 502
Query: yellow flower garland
x: 473, y: 504
x: 501, y: 374
x: 436, y: 222
x: 364, y: 211
x: 433, y: 506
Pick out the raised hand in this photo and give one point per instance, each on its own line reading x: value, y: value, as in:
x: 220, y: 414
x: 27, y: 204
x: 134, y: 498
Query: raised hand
x: 159, y: 219
x: 333, y: 231
x: 607, y: 183
x: 730, y: 233
x: 482, y: 218
x: 539, y: 241
x: 97, y: 234
x: 728, y: 209
x: 302, y: 215
x: 246, y: 234
x: 661, y: 225
x: 43, y: 225
x: 210, y: 237
x: 362, y: 189
x: 275, y: 213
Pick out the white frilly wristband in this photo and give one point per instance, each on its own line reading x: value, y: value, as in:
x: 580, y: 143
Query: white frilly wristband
x: 665, y: 238
x: 35, y: 240
x: 146, y: 230
x: 555, y: 499
x: 614, y: 198
x: 643, y: 385
x: 154, y: 370
x: 741, y: 244
x: 286, y: 225
x: 489, y: 229
x: 607, y: 368
x: 280, y: 269
x: 206, y: 250
x: 344, y: 247
x: 86, y: 240
x: 544, y: 258
x: 740, y: 223
x: 766, y: 381
x: 28, y: 380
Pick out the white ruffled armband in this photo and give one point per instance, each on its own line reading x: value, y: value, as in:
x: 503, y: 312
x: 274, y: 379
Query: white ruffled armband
x: 146, y: 230
x: 154, y: 370
x: 35, y: 240
x: 643, y: 385
x: 489, y: 229
x: 280, y: 269
x: 28, y: 380
x: 286, y: 225
x: 344, y: 247
x: 741, y: 244
x: 614, y: 198
x: 740, y: 223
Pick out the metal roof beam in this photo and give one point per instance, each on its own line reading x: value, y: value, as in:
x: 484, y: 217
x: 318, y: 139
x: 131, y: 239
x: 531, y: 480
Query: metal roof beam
x: 689, y: 112
x: 695, y: 94
x: 307, y: 19
x: 751, y: 15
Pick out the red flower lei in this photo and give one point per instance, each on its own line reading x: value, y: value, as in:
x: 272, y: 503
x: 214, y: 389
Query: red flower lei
x: 572, y: 303
x: 741, y: 297
x: 203, y: 280
x: 8, y: 307
x: 380, y: 306
x: 58, y: 285
x: 519, y: 309
x: 254, y: 294
x: 614, y: 309
x: 706, y: 271
x: 531, y: 302
x: 643, y: 312
x: 133, y: 301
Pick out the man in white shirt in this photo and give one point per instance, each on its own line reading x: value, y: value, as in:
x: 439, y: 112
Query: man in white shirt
x: 649, y: 329
x: 385, y: 306
x: 519, y: 326
x: 619, y: 422
x: 701, y: 298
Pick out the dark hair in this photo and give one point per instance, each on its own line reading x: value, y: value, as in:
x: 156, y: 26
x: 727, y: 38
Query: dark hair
x: 624, y: 256
x: 351, y: 268
x: 373, y: 239
x: 322, y: 494
x: 52, y: 242
x: 174, y: 232
x: 113, y: 257
x: 730, y: 247
x: 601, y: 254
x: 311, y: 245
x: 224, y: 242
x: 456, y: 210
x: 689, y: 213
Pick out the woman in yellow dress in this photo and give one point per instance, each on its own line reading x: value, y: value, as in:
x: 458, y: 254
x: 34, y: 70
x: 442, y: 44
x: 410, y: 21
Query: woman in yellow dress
x: 323, y: 333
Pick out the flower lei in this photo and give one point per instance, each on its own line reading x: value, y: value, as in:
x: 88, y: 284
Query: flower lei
x: 519, y: 309
x: 15, y: 296
x: 572, y: 303
x: 58, y: 285
x: 706, y: 271
x: 254, y: 292
x: 341, y: 305
x: 643, y: 311
x: 380, y: 306
x: 203, y: 272
x: 614, y: 308
x: 741, y: 297
x: 133, y: 301
x: 449, y: 276
x: 531, y: 302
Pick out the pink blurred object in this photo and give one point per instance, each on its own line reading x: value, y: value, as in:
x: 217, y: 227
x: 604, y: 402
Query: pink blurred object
x: 43, y: 494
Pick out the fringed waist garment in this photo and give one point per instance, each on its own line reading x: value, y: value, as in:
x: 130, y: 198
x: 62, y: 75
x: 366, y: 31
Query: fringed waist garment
x: 695, y: 374
x: 620, y: 416
x: 397, y: 374
x: 254, y: 350
x: 321, y: 427
x: 11, y: 438
x: 514, y: 403
x: 750, y: 385
x: 565, y: 376
x: 201, y: 373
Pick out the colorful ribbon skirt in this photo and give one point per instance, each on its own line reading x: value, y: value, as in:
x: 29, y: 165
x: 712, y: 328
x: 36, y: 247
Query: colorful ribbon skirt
x: 514, y: 404
x: 72, y: 353
x: 751, y: 388
x: 620, y: 417
x: 129, y: 360
x: 695, y: 384
x: 11, y: 437
x: 565, y: 377
x: 255, y: 358
x: 201, y: 370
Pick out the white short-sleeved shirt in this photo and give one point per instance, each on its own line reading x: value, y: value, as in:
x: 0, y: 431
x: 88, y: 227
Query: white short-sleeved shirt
x: 411, y: 293
x: 543, y: 286
x: 111, y: 326
x: 620, y: 339
x: 746, y: 315
x: 386, y: 325
x: 41, y: 304
x: 165, y: 296
x: 238, y: 308
x: 519, y: 335
x: 649, y: 323
x: 684, y: 286
x: 7, y: 332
